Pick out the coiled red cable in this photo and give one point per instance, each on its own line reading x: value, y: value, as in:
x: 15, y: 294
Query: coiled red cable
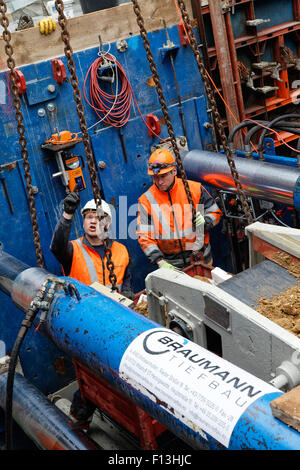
x: 112, y: 108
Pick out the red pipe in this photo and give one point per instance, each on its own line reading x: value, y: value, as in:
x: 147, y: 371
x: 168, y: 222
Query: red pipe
x: 224, y: 61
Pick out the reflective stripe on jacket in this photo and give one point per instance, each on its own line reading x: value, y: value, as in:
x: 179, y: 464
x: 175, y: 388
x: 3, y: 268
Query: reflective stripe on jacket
x: 165, y: 218
x: 87, y: 265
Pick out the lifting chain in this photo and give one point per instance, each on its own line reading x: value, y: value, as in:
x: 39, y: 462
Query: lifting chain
x: 83, y: 126
x: 21, y: 130
x: 163, y: 105
x: 216, y: 115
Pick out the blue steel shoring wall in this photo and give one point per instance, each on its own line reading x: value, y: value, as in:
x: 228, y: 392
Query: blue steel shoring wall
x: 119, y: 178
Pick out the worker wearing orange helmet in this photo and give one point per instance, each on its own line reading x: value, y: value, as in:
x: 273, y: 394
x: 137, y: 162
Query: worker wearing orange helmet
x: 165, y: 227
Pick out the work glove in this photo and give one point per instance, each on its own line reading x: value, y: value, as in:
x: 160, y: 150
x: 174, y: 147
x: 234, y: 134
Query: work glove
x: 71, y: 202
x: 166, y: 265
x: 199, y: 219
x: 47, y: 25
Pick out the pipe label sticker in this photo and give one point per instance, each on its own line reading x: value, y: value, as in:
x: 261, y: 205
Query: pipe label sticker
x: 201, y: 389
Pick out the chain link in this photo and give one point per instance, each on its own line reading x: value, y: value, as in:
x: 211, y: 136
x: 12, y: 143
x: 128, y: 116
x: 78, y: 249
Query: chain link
x: 62, y: 20
x: 21, y: 130
x: 216, y: 115
x: 163, y: 105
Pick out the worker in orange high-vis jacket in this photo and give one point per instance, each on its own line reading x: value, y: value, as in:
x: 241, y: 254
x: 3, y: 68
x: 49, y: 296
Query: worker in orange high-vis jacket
x: 165, y: 224
x: 84, y: 259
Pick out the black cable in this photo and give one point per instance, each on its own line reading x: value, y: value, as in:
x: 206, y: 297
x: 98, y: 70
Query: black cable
x: 279, y: 126
x: 237, y: 128
x: 275, y: 121
x: 293, y: 124
x: 26, y: 324
x: 251, y: 133
x: 257, y: 128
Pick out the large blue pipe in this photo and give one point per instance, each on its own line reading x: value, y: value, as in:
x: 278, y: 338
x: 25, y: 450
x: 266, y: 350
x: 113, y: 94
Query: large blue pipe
x: 259, y: 179
x: 135, y: 355
x: 42, y: 422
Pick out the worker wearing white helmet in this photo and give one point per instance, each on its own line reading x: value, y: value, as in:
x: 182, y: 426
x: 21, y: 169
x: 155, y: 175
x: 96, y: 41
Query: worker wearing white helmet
x: 84, y: 258
x: 91, y: 205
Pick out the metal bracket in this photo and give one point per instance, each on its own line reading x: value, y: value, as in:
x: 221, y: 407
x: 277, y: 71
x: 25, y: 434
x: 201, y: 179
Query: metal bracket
x: 168, y: 48
x: 122, y: 45
x: 180, y: 141
x: 162, y: 300
x: 257, y: 22
x: 273, y: 67
x: 59, y: 71
x: 39, y: 91
x: 154, y: 127
x: 269, y: 146
x: 4, y: 364
x: 227, y: 6
x: 62, y: 172
x: 184, y: 40
x: 266, y: 89
x: 20, y: 82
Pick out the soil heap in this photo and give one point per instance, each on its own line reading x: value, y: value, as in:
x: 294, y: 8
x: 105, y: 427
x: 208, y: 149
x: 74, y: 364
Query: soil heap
x: 284, y: 309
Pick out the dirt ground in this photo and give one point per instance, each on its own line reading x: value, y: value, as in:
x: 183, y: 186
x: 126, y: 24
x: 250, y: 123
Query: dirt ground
x: 284, y: 309
x: 142, y: 308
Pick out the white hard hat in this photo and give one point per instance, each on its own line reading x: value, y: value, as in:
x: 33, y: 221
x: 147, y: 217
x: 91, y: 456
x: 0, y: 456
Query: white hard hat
x: 91, y: 205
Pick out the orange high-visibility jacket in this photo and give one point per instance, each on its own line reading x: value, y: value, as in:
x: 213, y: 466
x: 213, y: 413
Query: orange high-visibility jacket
x: 164, y: 224
x: 88, y: 267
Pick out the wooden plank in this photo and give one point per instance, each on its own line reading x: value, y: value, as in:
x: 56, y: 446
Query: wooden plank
x: 287, y: 408
x: 105, y: 290
x: 30, y: 46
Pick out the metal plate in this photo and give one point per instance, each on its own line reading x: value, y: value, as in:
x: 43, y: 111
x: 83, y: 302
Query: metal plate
x: 216, y: 312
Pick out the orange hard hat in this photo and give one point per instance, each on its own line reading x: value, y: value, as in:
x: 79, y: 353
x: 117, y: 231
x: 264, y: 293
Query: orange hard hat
x: 161, y: 161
